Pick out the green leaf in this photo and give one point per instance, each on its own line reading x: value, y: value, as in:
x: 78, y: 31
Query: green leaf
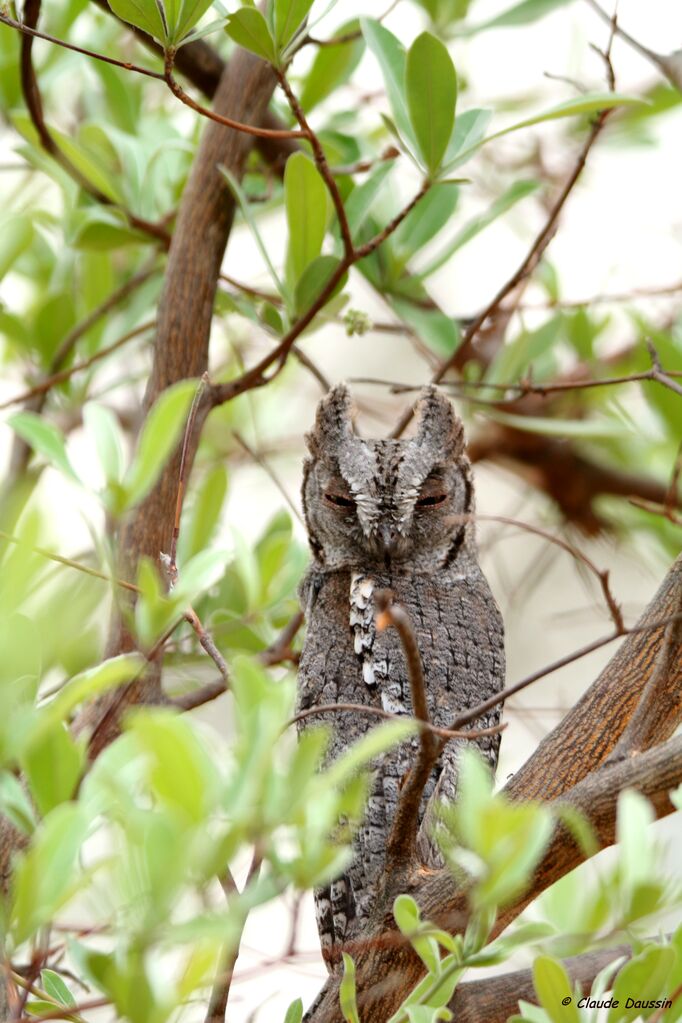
x: 289, y: 16
x: 191, y: 11
x: 362, y: 198
x: 519, y: 190
x: 424, y: 222
x: 523, y: 13
x: 426, y: 1014
x: 347, y: 996
x: 245, y: 208
x: 103, y: 426
x: 407, y: 915
x: 332, y: 66
x: 15, y: 804
x: 431, y: 85
x: 45, y: 875
x: 390, y: 53
x: 314, y: 280
x: 45, y: 438
x: 180, y: 771
x: 306, y: 208
x: 142, y: 13
x: 16, y: 234
x: 580, y: 429
x: 643, y: 979
x: 100, y: 229
x: 635, y: 854
x: 201, y: 518
x: 54, y: 986
x: 249, y: 29
x: 590, y: 103
x: 552, y: 987
x: 517, y: 357
x: 294, y: 1012
x: 161, y: 432
x: 112, y: 672
x: 53, y: 766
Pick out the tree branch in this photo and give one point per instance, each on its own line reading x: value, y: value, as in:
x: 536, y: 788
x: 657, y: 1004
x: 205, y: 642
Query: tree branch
x: 524, y: 270
x: 401, y: 847
x: 184, y: 322
x: 495, y: 999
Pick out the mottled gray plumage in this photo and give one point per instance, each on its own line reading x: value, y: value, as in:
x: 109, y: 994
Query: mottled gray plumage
x: 384, y: 514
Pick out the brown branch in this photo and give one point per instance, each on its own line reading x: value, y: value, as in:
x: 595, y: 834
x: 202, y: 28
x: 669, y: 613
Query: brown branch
x: 321, y: 164
x: 203, y: 66
x: 125, y: 65
x: 48, y: 382
x: 221, y: 988
x: 198, y: 697
x: 568, y: 477
x: 212, y: 115
x: 591, y: 729
x: 34, y: 104
x: 642, y: 730
x: 495, y: 999
x: 255, y: 377
x: 184, y: 322
x: 526, y: 268
x: 666, y: 65
x: 281, y: 650
x: 386, y: 715
x: 401, y: 846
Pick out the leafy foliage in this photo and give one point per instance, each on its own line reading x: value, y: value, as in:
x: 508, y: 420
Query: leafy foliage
x: 141, y: 838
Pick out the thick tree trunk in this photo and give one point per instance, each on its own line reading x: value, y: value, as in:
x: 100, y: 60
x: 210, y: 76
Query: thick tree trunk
x: 182, y: 340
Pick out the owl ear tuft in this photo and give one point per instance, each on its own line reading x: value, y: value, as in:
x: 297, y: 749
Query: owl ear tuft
x: 439, y: 426
x: 333, y: 421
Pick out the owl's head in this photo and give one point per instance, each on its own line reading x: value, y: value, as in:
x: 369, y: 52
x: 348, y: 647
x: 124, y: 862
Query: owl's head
x: 387, y: 503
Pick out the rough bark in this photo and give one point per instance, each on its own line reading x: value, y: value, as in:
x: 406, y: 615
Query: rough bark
x: 495, y: 999
x: 182, y: 340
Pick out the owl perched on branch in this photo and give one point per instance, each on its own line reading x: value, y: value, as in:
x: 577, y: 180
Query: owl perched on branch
x: 393, y: 514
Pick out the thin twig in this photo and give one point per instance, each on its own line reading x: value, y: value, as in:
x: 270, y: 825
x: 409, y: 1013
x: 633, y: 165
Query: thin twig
x: 526, y: 267
x: 321, y: 164
x: 423, y: 726
x: 280, y: 650
x: 269, y: 471
x: 248, y: 129
x: 47, y: 383
x: 312, y: 368
x: 198, y: 697
x: 589, y: 648
x: 665, y: 65
x: 657, y: 370
x: 221, y: 988
x: 402, y: 840
x: 612, y: 604
x: 25, y: 30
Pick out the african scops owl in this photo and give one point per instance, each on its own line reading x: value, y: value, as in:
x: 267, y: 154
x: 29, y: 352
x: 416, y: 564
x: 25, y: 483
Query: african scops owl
x: 392, y: 514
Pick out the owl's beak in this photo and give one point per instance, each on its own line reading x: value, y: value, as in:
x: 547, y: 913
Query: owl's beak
x: 388, y: 541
